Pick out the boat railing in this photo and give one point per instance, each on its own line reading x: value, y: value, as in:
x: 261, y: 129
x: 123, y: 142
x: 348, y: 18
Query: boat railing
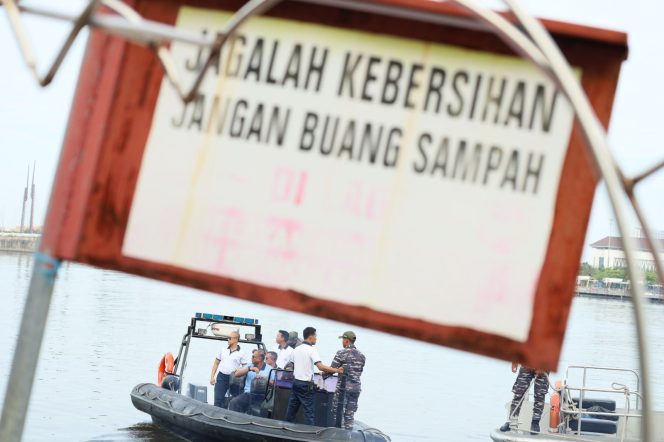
x: 572, y: 407
x: 281, y: 377
x: 579, y: 410
x: 617, y: 390
x: 589, y: 368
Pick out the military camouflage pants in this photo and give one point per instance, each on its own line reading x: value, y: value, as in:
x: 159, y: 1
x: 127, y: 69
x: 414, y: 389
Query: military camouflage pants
x: 349, y: 410
x: 520, y: 388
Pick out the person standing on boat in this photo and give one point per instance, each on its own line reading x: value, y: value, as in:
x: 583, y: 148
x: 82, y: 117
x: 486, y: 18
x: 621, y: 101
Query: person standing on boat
x: 293, y: 339
x: 353, y: 360
x: 520, y: 388
x: 283, y: 350
x: 228, y: 361
x: 305, y: 357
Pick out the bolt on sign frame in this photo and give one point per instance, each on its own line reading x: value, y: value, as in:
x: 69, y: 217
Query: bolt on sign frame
x: 358, y: 230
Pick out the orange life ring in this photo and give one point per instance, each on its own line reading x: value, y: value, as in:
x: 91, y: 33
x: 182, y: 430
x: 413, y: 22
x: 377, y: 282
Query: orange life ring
x: 554, y: 414
x: 165, y: 367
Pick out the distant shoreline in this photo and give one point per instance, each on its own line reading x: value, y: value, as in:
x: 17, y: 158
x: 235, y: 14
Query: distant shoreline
x: 19, y: 242
x: 622, y: 296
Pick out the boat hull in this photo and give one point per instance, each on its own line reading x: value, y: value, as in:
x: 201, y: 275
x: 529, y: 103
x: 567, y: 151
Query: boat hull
x: 522, y: 434
x: 203, y: 422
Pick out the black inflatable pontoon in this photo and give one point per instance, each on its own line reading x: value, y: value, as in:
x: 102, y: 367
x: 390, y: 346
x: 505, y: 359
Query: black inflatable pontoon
x: 199, y: 421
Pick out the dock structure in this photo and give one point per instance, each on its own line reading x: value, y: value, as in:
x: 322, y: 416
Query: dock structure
x: 622, y: 295
x: 19, y: 242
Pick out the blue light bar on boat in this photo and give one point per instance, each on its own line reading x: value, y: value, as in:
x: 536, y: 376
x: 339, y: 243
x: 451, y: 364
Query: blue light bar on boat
x: 234, y: 319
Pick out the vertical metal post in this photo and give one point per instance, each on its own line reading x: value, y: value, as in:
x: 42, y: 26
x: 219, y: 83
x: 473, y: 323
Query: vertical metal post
x: 32, y: 200
x: 582, y: 394
x: 25, y: 199
x: 184, y: 361
x: 28, y: 345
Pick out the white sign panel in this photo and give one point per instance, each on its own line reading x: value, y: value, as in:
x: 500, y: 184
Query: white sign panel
x: 414, y: 178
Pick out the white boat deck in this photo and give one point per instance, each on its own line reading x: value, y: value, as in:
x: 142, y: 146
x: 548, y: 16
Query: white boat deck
x: 522, y: 433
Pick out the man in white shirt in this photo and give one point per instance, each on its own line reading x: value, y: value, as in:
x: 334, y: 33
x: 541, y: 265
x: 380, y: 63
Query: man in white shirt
x: 229, y: 360
x: 283, y: 350
x: 305, y: 357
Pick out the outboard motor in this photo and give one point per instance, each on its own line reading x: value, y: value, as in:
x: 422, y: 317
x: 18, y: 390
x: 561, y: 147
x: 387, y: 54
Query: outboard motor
x: 171, y: 382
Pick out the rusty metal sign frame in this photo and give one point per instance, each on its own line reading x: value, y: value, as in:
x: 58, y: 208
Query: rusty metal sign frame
x: 86, y: 221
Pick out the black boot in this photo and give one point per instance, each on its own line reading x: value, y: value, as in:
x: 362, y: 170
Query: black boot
x: 534, y: 427
x: 505, y: 427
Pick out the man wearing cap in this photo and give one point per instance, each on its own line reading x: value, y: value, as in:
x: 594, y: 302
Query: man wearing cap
x: 353, y: 361
x: 305, y: 357
x: 293, y: 339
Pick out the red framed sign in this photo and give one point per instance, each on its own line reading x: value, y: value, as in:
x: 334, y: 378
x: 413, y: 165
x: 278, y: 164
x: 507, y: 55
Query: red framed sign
x: 400, y: 171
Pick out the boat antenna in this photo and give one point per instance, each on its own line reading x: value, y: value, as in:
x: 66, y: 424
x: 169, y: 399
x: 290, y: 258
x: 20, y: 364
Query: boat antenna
x: 32, y: 198
x: 25, y: 199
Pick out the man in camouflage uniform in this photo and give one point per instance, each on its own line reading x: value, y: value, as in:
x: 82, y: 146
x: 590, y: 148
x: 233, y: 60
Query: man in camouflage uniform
x: 520, y: 388
x: 353, y: 361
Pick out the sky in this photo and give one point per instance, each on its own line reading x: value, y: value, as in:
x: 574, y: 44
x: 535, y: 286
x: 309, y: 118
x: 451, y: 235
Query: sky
x: 33, y: 119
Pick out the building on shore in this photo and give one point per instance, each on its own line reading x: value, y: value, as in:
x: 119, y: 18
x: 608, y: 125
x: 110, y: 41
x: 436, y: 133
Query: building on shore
x: 19, y: 242
x: 608, y: 252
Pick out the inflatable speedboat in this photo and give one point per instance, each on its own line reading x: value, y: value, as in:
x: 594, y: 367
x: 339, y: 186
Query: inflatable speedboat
x: 191, y: 416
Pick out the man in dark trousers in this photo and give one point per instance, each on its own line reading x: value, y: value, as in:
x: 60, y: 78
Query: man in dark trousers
x: 305, y: 357
x: 353, y: 359
x: 229, y: 360
x: 520, y: 387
